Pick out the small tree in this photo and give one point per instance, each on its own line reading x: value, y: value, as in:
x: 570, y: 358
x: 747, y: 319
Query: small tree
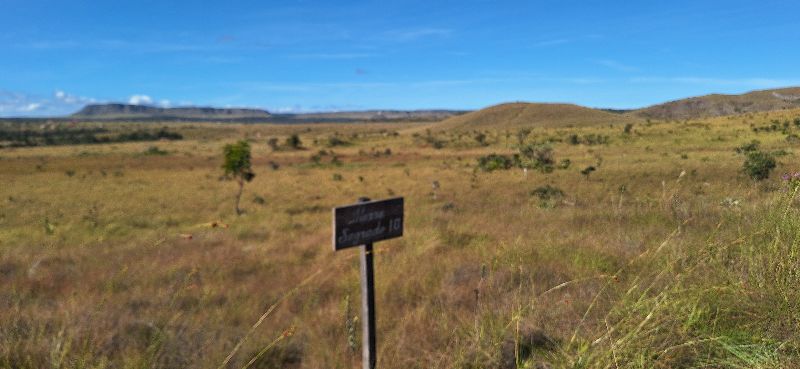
x: 294, y: 142
x: 237, y: 167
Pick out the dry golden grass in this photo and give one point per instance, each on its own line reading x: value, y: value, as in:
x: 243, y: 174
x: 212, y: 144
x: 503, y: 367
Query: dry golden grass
x: 110, y: 258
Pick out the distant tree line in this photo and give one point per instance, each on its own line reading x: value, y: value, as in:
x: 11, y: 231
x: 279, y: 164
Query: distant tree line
x: 79, y: 136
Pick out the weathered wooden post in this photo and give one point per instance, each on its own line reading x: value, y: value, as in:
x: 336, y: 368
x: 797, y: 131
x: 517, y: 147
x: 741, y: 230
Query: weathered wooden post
x: 362, y: 224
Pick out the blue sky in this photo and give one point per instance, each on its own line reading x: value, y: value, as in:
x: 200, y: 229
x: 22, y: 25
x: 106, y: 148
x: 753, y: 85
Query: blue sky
x: 56, y: 56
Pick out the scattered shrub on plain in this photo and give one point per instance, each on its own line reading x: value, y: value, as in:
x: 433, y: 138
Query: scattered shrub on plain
x: 548, y: 195
x: 494, y: 162
x: 293, y: 142
x: 538, y: 157
x: 758, y: 165
x: 154, y: 150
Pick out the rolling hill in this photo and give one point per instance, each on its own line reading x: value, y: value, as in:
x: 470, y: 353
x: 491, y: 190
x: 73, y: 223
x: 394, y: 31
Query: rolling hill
x: 519, y: 115
x: 715, y: 105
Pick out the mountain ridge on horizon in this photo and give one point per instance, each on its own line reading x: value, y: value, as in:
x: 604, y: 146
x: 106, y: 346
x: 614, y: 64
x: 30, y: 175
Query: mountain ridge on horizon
x: 710, y: 105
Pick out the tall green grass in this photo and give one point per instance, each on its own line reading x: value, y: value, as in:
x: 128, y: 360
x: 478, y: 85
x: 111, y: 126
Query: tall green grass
x: 733, y: 302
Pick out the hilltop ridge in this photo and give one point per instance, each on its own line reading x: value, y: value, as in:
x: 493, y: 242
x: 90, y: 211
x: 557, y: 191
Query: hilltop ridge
x: 529, y: 115
x: 715, y: 105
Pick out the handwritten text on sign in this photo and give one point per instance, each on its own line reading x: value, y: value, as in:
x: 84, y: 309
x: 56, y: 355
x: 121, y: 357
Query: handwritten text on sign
x: 367, y: 222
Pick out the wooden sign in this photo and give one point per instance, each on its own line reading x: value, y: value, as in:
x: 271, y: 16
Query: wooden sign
x: 367, y: 222
x: 362, y: 224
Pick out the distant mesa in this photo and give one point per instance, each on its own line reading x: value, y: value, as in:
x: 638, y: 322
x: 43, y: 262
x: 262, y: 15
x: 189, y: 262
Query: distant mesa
x: 716, y: 105
x: 530, y: 115
x: 127, y: 111
x: 503, y: 116
x: 143, y: 112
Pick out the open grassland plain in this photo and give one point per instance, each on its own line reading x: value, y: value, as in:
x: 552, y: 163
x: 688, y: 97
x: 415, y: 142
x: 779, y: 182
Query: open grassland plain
x: 666, y: 255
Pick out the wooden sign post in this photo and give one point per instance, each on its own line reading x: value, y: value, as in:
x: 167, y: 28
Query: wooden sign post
x: 362, y: 224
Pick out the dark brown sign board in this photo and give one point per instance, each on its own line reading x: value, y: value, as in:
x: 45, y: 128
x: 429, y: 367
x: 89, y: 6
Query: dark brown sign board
x: 361, y: 224
x: 367, y: 222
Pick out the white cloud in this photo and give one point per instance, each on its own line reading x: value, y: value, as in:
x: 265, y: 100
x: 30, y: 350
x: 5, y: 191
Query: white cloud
x: 23, y: 104
x: 140, y: 100
x: 72, y: 99
x: 31, y: 107
x: 164, y: 103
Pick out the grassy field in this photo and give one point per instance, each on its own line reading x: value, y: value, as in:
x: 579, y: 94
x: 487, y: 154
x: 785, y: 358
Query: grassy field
x: 121, y: 256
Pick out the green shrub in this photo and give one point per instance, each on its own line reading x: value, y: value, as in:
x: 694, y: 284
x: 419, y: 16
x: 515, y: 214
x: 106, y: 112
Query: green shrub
x: 547, y: 192
x: 334, y: 141
x: 748, y: 147
x: 593, y: 139
x: 574, y: 139
x: 758, y: 165
x: 628, y: 128
x: 539, y: 157
x: 154, y: 150
x: 293, y: 142
x: 494, y: 162
x: 548, y: 195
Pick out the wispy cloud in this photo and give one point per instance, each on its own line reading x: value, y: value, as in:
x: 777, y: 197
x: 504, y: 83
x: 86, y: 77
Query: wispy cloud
x: 615, y: 65
x: 307, y: 87
x: 23, y: 104
x: 297, y: 108
x: 553, y: 42
x: 61, y: 103
x: 117, y: 45
x: 350, y: 85
x: 406, y: 35
x: 30, y: 107
x: 332, y: 56
x: 67, y: 98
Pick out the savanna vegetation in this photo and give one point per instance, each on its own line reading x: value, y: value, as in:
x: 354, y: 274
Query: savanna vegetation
x: 26, y: 135
x: 679, y: 248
